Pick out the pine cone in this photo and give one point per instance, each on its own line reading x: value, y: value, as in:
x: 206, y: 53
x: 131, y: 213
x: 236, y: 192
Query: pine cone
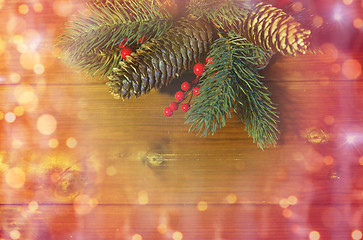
x: 271, y: 28
x: 160, y: 60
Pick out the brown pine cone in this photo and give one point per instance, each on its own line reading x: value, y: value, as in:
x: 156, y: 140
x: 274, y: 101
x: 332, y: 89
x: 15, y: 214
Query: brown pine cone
x: 160, y: 60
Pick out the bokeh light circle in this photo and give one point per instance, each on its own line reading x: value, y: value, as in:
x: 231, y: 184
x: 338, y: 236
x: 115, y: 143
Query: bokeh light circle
x: 15, y: 177
x: 46, y: 124
x: 351, y: 69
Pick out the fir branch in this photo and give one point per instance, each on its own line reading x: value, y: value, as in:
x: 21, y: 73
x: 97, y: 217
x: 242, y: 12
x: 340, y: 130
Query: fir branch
x: 235, y: 85
x: 213, y: 106
x: 90, y: 39
x: 253, y: 104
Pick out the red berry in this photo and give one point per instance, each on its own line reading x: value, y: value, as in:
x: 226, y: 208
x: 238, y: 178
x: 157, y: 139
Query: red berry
x: 208, y: 60
x: 122, y: 44
x: 185, y: 107
x: 196, y: 91
x: 185, y: 86
x: 168, y: 112
x: 198, y: 69
x: 126, y: 52
x: 174, y: 106
x: 143, y: 39
x: 179, y: 95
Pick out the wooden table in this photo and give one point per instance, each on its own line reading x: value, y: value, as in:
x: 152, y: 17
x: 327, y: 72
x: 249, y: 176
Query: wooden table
x: 77, y: 164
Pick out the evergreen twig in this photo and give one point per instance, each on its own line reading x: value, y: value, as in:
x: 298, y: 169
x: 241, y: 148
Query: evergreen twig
x: 91, y: 38
x: 235, y: 84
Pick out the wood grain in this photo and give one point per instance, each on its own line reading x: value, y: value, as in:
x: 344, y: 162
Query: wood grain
x: 121, y: 170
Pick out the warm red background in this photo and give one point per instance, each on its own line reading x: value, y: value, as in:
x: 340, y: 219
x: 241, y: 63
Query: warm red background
x: 72, y: 159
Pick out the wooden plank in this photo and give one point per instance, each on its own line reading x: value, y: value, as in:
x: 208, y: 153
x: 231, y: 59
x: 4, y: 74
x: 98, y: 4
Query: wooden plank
x: 112, y: 169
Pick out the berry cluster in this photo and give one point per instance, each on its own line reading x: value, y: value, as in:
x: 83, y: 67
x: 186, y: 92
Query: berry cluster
x: 186, y: 89
x: 126, y: 51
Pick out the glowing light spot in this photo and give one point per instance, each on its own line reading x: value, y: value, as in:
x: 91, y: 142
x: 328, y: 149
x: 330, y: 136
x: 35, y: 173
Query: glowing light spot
x: 330, y: 52
x: 314, y: 235
x: 25, y: 95
x: 39, y: 69
x: 360, y: 160
x: 10, y: 117
x: 177, y: 235
x: 297, y: 6
x: 334, y: 175
x: 111, y: 171
x: 318, y: 21
x: 15, y: 234
x: 337, y: 16
x: 357, y: 234
x: 14, y: 77
x: 358, y: 23
x: 202, y: 206
x: 18, y: 39
x: 82, y: 204
x: 71, y: 142
x: 328, y: 160
x: 93, y: 202
x: 351, y: 69
x: 350, y: 139
x: 329, y: 120
x: 287, y: 213
x: 19, y: 111
x: 46, y: 124
x: 347, y: 2
x: 23, y: 9
x: 16, y: 143
x: 231, y: 198
x: 336, y: 68
x: 63, y: 8
x: 33, y: 206
x: 284, y: 203
x: 162, y: 228
x: 53, y: 143
x: 29, y: 59
x: 15, y: 177
x: 1, y: 115
x: 32, y: 38
x: 143, y: 197
x: 136, y: 237
x: 22, y: 48
x: 292, y: 200
x: 38, y: 7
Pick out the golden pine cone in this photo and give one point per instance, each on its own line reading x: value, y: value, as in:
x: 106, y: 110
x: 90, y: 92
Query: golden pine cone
x: 271, y: 28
